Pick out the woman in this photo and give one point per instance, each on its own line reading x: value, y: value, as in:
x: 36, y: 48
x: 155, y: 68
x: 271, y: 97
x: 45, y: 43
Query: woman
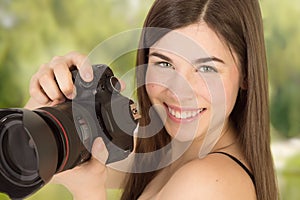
x: 229, y: 35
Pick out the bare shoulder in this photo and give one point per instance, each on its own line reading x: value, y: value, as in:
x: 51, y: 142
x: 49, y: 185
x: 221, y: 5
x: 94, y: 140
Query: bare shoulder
x: 214, y: 177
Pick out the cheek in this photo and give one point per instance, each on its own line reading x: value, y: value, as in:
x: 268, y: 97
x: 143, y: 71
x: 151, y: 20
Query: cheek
x: 231, y: 91
x: 153, y: 91
x: 215, y: 93
x: 152, y: 84
x: 222, y: 94
x: 231, y: 94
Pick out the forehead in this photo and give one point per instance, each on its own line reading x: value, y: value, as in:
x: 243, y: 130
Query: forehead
x: 193, y: 42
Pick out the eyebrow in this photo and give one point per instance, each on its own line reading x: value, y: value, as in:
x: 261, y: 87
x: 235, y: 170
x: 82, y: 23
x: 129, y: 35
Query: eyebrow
x: 208, y: 59
x: 199, y: 60
x: 166, y: 58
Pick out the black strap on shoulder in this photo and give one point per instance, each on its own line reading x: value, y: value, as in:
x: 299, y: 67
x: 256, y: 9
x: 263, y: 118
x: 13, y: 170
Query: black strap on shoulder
x: 239, y: 163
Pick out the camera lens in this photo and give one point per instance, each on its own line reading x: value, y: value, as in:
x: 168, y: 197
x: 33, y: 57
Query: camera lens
x: 18, y: 153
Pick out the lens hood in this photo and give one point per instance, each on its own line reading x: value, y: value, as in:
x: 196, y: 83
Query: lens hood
x: 15, y: 182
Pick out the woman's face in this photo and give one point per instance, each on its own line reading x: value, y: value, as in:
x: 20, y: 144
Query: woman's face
x: 192, y: 81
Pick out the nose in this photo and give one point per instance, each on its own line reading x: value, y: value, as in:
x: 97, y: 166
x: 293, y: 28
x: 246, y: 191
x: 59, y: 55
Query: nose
x: 185, y: 85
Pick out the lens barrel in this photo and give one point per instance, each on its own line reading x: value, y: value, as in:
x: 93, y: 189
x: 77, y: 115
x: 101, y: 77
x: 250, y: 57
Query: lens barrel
x: 37, y: 144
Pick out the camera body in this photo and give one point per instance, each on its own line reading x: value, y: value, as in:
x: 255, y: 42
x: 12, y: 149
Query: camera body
x: 34, y: 145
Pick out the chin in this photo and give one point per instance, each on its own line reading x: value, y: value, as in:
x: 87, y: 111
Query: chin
x: 186, y: 134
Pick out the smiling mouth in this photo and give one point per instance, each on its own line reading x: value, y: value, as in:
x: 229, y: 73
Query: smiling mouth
x: 183, y: 114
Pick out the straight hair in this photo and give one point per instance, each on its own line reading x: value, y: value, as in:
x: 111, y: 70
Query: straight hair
x: 238, y: 23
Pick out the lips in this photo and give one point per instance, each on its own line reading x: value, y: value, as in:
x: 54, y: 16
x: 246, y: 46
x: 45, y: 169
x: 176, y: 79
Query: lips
x: 183, y: 114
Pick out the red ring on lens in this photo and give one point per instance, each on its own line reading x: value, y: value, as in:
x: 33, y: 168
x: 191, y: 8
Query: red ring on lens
x: 67, y: 149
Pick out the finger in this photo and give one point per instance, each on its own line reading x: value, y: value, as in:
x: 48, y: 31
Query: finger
x: 96, y: 164
x: 86, y: 171
x: 55, y: 102
x: 36, y: 92
x: 50, y: 87
x: 63, y: 78
x: 122, y: 84
x: 83, y: 65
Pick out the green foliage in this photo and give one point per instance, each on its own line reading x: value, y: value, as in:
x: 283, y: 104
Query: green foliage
x: 282, y: 34
x: 3, y: 197
x: 51, y: 191
x: 291, y: 183
x: 54, y: 191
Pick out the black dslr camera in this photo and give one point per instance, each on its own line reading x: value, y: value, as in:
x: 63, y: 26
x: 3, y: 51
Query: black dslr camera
x: 34, y: 145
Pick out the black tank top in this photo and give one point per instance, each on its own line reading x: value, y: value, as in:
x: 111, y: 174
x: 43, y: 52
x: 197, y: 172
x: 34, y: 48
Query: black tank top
x: 239, y: 163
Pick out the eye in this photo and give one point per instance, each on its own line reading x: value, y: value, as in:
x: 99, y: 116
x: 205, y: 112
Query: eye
x: 164, y: 64
x: 206, y: 69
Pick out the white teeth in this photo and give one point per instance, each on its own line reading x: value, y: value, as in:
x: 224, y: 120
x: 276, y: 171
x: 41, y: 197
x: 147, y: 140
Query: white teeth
x: 173, y: 112
x: 184, y: 114
x: 177, y: 115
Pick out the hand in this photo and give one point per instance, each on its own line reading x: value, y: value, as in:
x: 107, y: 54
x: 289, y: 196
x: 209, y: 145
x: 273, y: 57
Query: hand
x: 88, y: 180
x: 52, y: 84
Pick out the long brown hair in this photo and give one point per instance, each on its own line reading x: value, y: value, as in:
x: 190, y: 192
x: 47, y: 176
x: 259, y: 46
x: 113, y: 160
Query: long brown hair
x: 239, y: 24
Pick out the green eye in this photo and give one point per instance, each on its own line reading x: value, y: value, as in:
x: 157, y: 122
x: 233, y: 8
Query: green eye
x: 164, y: 65
x: 206, y: 69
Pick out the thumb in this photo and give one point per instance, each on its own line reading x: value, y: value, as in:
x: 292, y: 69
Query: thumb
x: 86, y: 71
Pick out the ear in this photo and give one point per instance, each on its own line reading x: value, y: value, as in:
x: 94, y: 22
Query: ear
x: 244, y: 83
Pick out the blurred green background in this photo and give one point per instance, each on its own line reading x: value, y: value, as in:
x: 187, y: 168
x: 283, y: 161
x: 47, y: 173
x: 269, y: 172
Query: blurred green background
x: 32, y: 32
